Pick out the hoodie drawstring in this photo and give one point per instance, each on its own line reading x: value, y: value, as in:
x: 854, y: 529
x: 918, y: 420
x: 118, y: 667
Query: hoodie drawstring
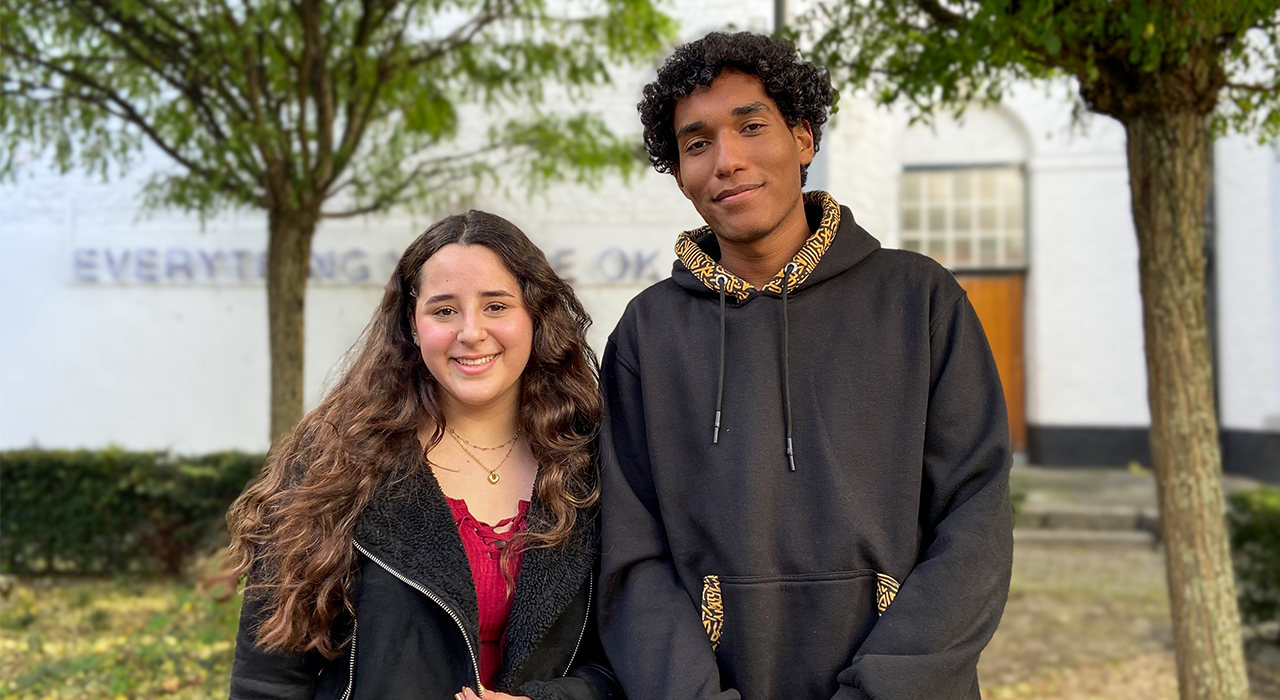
x: 786, y: 362
x: 721, y: 281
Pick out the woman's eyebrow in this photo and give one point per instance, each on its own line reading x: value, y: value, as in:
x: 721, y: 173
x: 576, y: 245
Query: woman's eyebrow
x: 437, y: 298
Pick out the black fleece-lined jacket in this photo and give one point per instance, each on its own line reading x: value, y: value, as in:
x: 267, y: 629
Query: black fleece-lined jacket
x: 416, y: 634
x: 829, y: 520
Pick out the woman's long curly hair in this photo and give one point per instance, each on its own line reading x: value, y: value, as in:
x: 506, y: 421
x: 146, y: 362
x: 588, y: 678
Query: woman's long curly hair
x: 291, y: 529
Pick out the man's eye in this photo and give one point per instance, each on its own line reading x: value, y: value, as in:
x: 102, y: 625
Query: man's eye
x: 696, y: 145
x: 753, y: 127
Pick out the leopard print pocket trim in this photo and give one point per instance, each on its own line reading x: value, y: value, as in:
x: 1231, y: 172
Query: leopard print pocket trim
x: 712, y: 610
x: 886, y: 591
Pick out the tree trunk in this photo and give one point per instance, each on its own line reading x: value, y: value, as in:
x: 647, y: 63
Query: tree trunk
x: 1168, y: 173
x: 288, y: 257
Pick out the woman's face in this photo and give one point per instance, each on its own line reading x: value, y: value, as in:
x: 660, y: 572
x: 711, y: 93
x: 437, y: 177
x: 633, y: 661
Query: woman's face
x: 474, y: 332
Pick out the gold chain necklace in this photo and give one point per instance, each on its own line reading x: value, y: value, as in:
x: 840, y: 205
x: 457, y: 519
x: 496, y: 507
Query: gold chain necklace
x: 468, y: 443
x: 493, y: 473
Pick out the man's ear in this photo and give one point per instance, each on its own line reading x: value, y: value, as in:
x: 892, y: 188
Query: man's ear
x: 803, y: 134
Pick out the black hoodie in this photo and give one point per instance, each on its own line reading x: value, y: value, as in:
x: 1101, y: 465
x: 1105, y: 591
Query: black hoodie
x: 847, y: 533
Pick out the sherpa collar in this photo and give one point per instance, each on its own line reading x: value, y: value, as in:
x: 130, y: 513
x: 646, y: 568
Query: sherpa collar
x: 703, y: 267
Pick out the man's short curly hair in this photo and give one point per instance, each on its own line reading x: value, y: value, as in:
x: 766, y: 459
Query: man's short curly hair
x: 801, y: 90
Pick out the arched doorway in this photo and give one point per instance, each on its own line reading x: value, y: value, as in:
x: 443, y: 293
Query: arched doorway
x: 963, y: 202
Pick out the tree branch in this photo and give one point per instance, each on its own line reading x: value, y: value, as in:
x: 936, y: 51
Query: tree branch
x: 1273, y: 89
x: 942, y: 16
x: 173, y: 54
x: 392, y: 196
x: 105, y: 98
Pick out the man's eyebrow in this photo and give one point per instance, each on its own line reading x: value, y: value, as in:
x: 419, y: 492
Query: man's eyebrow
x: 690, y: 128
x: 742, y: 111
x: 752, y: 108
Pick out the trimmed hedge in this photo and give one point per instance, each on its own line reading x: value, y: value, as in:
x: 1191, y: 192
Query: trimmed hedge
x: 1254, y: 519
x: 112, y: 511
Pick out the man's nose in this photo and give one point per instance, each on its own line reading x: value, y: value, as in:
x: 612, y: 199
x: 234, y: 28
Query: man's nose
x: 730, y: 156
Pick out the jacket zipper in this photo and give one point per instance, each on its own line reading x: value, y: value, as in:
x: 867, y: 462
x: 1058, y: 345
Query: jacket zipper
x: 351, y: 672
x: 475, y: 660
x: 586, y: 619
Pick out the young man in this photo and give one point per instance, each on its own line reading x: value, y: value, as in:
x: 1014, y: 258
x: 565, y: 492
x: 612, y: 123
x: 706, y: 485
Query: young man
x: 805, y: 462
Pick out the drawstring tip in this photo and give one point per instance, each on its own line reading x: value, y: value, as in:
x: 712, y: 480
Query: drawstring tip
x: 791, y: 456
x: 715, y: 437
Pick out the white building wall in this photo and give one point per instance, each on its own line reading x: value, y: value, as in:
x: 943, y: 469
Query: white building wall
x: 146, y: 358
x: 1084, y: 349
x: 1247, y: 192
x: 182, y: 364
x: 1085, y: 363
x: 1273, y: 417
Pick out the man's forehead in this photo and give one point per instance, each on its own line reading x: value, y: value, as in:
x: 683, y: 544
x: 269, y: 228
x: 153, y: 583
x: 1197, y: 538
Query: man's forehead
x: 732, y: 93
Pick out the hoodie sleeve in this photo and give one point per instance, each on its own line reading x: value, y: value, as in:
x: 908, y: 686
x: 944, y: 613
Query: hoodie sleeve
x: 926, y: 645
x: 649, y: 624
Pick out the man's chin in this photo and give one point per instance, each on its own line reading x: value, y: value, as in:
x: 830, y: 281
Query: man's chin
x: 739, y: 232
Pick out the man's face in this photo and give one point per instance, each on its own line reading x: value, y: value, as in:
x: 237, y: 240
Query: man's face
x: 739, y: 161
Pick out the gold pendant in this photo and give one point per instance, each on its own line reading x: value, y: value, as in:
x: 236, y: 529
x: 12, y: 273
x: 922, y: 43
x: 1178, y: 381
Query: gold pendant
x: 493, y: 477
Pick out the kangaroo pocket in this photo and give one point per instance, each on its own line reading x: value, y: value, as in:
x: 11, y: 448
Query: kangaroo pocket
x: 787, y: 637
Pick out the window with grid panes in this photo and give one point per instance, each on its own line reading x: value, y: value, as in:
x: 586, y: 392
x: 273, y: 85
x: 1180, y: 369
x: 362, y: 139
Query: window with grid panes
x: 966, y: 218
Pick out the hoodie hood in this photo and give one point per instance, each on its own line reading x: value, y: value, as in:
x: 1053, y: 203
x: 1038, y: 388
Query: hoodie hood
x: 697, y: 269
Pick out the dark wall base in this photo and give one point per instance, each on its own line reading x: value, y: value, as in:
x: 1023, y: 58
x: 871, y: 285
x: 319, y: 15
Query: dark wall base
x: 1062, y: 446
x: 1252, y: 453
x: 1248, y: 453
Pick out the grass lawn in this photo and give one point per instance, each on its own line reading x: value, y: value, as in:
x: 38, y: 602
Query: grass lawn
x: 1081, y: 624
x: 124, y: 638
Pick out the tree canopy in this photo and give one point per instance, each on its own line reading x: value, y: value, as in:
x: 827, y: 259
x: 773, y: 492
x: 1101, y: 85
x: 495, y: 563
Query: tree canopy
x: 359, y: 103
x: 1175, y: 74
x: 931, y: 55
x: 316, y: 109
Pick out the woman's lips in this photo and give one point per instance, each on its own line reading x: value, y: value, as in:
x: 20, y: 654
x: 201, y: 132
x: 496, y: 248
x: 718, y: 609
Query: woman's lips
x: 474, y: 365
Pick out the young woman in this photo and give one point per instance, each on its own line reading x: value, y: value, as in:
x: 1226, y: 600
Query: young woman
x: 428, y: 531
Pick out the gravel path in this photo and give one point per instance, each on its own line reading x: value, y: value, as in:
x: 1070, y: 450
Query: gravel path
x: 1088, y: 623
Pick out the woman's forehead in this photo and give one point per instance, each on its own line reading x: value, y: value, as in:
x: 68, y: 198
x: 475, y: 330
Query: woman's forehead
x: 463, y: 269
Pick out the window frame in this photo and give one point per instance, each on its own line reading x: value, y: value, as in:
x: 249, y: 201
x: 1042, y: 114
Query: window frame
x: 923, y: 234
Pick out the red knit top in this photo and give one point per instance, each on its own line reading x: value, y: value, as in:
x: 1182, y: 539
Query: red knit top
x: 484, y: 550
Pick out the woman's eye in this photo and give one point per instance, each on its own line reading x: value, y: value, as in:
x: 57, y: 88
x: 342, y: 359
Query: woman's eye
x: 496, y: 307
x: 443, y: 311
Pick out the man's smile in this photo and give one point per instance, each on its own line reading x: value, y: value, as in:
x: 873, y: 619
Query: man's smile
x: 734, y: 194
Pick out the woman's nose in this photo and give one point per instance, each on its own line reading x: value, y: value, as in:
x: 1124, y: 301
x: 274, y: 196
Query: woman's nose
x: 473, y: 329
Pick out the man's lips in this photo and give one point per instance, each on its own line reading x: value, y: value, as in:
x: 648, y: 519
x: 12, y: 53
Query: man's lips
x: 734, y: 193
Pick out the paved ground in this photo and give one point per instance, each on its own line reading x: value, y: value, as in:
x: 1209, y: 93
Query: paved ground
x: 1088, y: 615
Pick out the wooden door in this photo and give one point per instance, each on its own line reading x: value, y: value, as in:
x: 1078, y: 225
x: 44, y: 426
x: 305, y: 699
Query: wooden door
x: 998, y: 300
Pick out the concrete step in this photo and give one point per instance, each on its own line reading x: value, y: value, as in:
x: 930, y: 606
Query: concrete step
x: 1078, y: 517
x: 1084, y: 538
